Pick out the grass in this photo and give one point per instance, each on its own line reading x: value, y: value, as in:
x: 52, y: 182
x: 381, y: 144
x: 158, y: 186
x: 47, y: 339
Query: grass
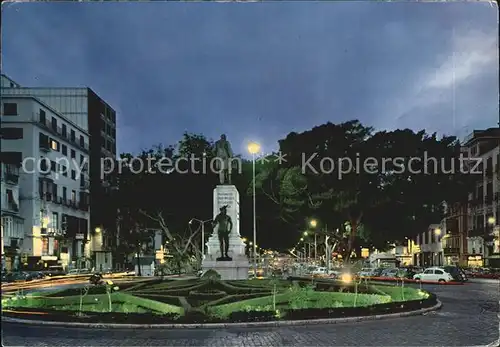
x: 121, y: 302
x: 285, y: 301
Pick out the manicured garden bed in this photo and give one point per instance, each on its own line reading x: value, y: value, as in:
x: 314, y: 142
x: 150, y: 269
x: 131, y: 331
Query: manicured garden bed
x: 212, y: 300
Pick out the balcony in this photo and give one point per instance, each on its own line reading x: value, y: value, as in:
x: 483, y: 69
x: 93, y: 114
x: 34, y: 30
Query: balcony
x: 477, y: 232
x: 451, y: 250
x: 12, y: 206
x: 84, y: 185
x: 11, y: 177
x: 83, y: 206
x: 45, y: 147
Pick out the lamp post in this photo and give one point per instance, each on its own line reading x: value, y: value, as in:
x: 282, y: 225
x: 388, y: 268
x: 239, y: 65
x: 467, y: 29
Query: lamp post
x: 202, y: 222
x: 313, y: 223
x: 253, y: 149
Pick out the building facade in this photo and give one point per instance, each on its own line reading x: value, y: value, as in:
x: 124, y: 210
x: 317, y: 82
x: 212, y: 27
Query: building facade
x: 84, y: 108
x: 52, y: 155
x: 430, y: 247
x: 12, y: 224
x: 483, y: 248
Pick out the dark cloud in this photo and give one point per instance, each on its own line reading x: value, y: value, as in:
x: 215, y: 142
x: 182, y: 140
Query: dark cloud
x: 261, y: 70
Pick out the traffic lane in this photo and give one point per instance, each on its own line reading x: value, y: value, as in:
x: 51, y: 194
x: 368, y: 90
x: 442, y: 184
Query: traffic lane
x: 468, y: 317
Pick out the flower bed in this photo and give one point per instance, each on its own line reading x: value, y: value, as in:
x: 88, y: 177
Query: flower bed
x: 211, y: 300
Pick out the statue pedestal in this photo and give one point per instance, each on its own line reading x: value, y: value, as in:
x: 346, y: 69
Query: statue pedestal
x: 238, y: 267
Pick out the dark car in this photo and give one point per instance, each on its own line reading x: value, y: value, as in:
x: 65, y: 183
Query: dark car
x: 456, y: 272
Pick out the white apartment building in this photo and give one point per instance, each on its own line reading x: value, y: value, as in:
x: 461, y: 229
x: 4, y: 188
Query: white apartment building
x: 83, y: 108
x: 53, y: 156
x: 430, y: 247
x: 483, y: 237
x: 12, y: 228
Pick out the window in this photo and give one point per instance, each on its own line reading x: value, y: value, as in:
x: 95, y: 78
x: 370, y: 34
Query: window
x: 42, y: 117
x: 43, y: 165
x: 64, y: 193
x: 54, y: 145
x: 43, y: 141
x: 73, y: 174
x: 73, y: 135
x: 54, y: 124
x: 64, y: 130
x: 12, y: 133
x: 427, y: 272
x: 64, y: 150
x: 63, y: 170
x: 53, y: 166
x: 73, y: 195
x: 9, y: 109
x: 10, y: 195
x: 54, y: 189
x: 82, y: 141
x: 73, y: 154
x: 438, y: 272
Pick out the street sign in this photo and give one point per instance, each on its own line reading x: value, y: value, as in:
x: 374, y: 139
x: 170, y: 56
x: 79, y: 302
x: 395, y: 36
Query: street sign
x: 79, y: 236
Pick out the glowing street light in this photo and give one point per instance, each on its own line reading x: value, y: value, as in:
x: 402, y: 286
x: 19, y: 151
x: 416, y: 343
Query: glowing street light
x: 313, y: 223
x: 492, y: 220
x: 97, y: 230
x: 253, y: 149
x: 305, y: 233
x: 437, y: 231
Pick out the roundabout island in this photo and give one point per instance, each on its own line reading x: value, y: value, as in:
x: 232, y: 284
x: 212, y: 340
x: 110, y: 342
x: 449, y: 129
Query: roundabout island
x: 211, y: 302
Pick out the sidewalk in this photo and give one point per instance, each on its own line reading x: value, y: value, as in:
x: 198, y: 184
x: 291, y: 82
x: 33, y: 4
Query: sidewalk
x: 483, y: 280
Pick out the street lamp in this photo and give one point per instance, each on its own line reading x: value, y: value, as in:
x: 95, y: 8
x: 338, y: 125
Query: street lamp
x: 253, y: 149
x: 202, y: 222
x: 491, y: 221
x: 437, y: 231
x: 313, y: 224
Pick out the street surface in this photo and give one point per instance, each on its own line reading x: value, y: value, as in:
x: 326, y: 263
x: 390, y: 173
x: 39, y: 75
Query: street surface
x: 469, y: 317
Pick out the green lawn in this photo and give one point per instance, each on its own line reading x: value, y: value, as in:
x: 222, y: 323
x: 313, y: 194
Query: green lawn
x: 120, y: 302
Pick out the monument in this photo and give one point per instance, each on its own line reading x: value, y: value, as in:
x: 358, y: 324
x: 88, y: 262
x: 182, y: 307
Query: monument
x: 225, y: 248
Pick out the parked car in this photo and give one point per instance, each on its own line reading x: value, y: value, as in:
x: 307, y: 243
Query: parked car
x: 390, y: 273
x: 457, y: 273
x: 368, y: 272
x: 320, y: 271
x: 434, y: 274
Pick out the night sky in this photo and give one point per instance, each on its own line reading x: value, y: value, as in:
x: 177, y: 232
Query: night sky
x: 258, y: 71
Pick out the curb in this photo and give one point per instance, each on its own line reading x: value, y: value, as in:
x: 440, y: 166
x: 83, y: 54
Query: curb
x: 224, y: 325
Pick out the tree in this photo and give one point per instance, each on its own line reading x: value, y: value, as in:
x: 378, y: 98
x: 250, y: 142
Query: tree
x: 345, y: 173
x: 173, y: 182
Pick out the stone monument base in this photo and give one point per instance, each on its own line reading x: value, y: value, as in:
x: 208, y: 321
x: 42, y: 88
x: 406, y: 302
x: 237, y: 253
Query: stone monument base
x: 228, y: 270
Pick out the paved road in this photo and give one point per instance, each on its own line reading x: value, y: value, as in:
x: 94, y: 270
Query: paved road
x: 469, y: 317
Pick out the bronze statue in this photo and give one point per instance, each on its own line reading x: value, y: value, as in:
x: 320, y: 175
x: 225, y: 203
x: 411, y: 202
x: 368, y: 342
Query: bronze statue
x: 225, y: 226
x: 224, y: 153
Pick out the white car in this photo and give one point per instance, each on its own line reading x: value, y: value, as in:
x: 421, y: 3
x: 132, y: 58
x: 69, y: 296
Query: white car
x: 433, y: 274
x: 320, y: 271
